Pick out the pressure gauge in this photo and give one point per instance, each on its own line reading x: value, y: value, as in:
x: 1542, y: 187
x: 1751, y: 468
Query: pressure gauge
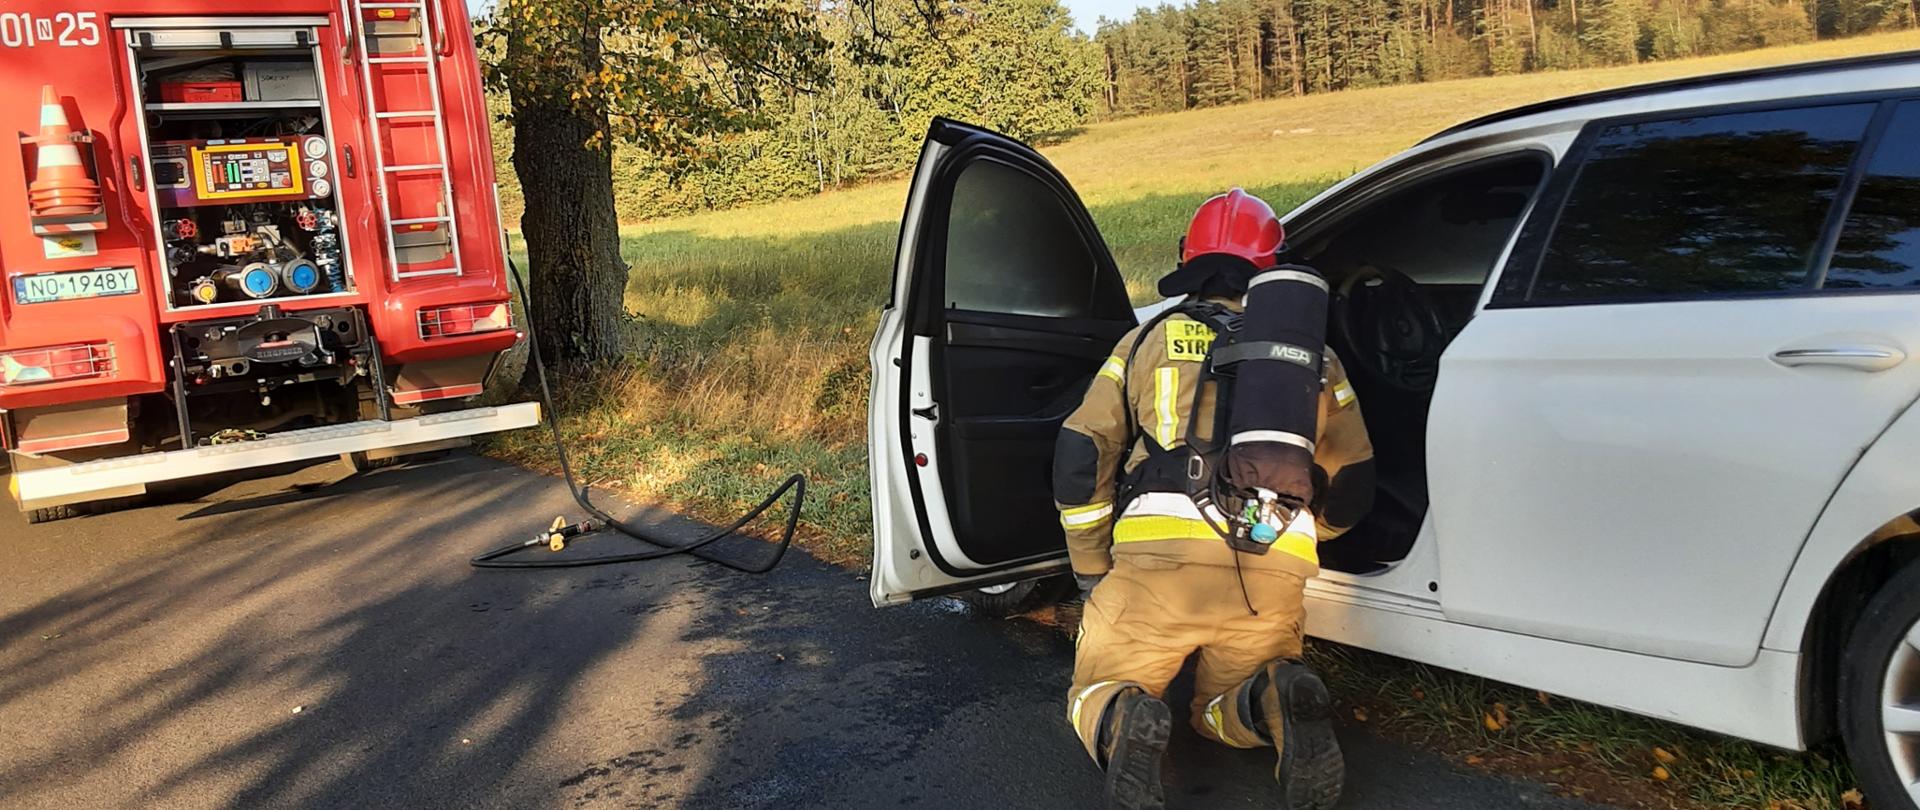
x: 315, y: 147
x: 316, y: 168
x: 322, y: 188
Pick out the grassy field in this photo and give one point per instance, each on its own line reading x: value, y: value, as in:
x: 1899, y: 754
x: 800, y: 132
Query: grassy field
x: 748, y: 361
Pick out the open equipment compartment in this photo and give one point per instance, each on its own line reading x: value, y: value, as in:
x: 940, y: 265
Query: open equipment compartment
x: 241, y: 159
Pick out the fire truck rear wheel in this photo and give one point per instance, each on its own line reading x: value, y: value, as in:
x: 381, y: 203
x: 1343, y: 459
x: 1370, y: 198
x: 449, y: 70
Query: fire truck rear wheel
x: 52, y: 513
x: 360, y: 463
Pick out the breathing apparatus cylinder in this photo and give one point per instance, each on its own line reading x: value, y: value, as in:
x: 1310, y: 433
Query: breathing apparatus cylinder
x: 1275, y: 409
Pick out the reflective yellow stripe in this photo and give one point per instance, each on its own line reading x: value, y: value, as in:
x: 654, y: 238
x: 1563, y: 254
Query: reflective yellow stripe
x: 1342, y: 394
x: 1080, y: 699
x: 1114, y: 369
x: 1092, y: 507
x: 1166, y: 403
x: 1214, y: 720
x: 1145, y: 528
x: 1148, y: 528
x: 1085, y: 515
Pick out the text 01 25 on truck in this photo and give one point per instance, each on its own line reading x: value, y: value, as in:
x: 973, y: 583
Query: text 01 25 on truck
x: 240, y: 240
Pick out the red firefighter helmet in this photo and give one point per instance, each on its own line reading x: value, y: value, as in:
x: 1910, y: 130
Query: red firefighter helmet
x: 1236, y: 224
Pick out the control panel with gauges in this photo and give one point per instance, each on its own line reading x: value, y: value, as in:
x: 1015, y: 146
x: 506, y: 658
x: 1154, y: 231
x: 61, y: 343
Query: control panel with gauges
x: 247, y: 219
x: 219, y: 172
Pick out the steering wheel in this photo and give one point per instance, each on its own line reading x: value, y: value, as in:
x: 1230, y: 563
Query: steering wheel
x: 1392, y: 328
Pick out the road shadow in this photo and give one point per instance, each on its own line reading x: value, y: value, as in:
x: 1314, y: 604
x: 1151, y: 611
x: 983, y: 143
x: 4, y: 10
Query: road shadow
x: 324, y: 644
x: 305, y: 648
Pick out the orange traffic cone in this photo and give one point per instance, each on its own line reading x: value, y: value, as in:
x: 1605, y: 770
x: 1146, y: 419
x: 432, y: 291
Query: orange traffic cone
x: 60, y: 186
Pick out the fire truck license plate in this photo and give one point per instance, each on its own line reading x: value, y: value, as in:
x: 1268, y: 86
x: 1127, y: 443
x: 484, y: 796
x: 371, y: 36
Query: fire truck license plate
x: 44, y: 287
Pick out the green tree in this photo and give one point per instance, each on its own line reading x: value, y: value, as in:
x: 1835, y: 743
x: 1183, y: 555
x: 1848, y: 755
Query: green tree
x: 582, y: 74
x: 1210, y: 57
x: 1614, y: 33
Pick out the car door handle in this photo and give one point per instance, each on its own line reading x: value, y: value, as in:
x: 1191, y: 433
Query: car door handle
x: 1862, y: 357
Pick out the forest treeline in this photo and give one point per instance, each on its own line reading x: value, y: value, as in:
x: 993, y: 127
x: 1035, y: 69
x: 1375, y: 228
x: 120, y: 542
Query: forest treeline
x: 1216, y: 52
x: 1022, y: 67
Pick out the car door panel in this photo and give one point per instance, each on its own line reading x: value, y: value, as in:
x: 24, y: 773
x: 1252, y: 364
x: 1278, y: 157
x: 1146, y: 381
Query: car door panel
x: 1006, y: 304
x: 1642, y: 474
x: 1648, y: 485
x: 1008, y: 391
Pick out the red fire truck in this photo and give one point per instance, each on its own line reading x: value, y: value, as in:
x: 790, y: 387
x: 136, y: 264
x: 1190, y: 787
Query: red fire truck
x: 233, y: 240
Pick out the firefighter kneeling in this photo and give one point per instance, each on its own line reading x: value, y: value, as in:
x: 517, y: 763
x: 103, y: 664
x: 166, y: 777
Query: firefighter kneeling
x: 1243, y: 448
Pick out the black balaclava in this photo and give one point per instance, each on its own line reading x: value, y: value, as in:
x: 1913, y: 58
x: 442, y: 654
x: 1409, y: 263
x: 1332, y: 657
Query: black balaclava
x: 1212, y: 275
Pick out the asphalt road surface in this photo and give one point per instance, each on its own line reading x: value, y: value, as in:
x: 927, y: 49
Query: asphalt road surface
x: 316, y: 639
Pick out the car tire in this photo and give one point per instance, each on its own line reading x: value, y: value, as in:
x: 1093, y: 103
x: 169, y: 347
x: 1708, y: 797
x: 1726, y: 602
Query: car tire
x: 1013, y: 598
x: 52, y: 513
x: 1880, y: 669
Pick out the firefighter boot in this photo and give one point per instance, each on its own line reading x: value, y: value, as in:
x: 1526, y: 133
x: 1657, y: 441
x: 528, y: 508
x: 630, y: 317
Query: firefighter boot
x: 1296, y: 713
x: 1133, y: 736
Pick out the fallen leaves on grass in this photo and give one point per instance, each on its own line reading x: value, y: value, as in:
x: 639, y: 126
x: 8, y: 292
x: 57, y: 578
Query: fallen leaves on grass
x: 1496, y: 720
x: 1663, y: 756
x: 1660, y: 773
x: 1853, y: 800
x: 1360, y: 714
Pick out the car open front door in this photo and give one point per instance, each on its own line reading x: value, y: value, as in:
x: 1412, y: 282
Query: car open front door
x: 1005, y: 302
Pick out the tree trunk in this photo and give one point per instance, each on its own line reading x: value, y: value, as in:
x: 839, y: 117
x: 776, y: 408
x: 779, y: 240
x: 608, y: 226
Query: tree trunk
x: 1294, y: 59
x: 573, y: 236
x: 1113, y: 83
x: 1533, y: 34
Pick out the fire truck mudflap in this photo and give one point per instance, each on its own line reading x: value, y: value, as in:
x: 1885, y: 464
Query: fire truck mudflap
x: 237, y: 235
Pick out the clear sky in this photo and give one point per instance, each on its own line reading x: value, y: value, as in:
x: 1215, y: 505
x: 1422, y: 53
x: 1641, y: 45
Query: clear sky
x: 1085, y: 12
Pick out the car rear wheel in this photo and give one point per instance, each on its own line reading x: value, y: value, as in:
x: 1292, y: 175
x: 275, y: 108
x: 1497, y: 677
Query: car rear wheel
x: 1880, y: 694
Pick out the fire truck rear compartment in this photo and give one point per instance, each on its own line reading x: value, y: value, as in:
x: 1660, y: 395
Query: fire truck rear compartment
x: 242, y: 166
x: 275, y: 268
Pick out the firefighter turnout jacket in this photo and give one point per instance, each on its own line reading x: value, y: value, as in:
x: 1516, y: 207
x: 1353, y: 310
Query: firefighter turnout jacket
x: 1162, y: 382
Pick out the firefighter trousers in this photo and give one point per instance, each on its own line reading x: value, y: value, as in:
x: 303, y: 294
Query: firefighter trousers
x: 1148, y: 615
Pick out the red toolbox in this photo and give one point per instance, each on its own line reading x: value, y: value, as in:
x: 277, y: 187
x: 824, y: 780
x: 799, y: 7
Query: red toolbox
x: 200, y: 92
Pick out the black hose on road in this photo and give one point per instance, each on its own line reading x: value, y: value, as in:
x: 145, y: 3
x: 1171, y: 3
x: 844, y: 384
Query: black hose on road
x: 665, y: 548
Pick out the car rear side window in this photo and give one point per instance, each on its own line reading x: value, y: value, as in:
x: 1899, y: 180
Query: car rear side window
x: 1700, y: 206
x: 1012, y: 246
x: 1879, y: 247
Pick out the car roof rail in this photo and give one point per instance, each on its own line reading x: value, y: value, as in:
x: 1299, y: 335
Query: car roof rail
x: 1686, y: 83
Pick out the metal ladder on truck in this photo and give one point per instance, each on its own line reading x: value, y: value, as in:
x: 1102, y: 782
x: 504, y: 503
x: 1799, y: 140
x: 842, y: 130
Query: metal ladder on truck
x: 372, y: 63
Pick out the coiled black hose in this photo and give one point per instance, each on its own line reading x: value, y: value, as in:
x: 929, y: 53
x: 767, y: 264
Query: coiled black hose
x: 493, y: 559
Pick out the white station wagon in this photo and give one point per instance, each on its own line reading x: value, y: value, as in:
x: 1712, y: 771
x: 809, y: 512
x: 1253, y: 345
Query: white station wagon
x: 1636, y: 365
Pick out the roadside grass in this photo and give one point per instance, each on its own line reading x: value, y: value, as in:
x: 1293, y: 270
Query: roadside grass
x: 748, y: 362
x: 1589, y: 751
